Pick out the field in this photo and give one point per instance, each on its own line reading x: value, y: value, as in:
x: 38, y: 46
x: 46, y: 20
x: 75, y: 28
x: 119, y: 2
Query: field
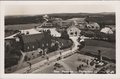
x: 21, y: 26
x: 107, y: 48
x: 99, y: 43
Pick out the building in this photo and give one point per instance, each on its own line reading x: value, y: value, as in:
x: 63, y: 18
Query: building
x: 112, y: 27
x: 30, y: 31
x: 79, y: 22
x: 47, y: 24
x: 57, y: 22
x: 73, y: 31
x: 31, y: 42
x: 53, y: 31
x: 93, y: 26
x: 106, y: 30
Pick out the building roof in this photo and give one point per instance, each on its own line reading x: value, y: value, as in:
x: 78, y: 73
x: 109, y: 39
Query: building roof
x: 107, y: 30
x: 93, y: 24
x: 73, y: 27
x: 32, y: 38
x: 78, y: 19
x: 31, y: 31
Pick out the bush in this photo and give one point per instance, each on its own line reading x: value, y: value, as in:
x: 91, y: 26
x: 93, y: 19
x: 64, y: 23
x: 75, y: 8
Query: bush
x: 64, y: 35
x: 88, y: 33
x: 11, y: 61
x: 111, y: 38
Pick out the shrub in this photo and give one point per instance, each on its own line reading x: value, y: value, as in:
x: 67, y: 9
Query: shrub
x: 64, y: 35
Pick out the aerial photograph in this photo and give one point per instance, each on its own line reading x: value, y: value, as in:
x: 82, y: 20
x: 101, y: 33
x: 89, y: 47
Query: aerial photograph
x: 60, y: 39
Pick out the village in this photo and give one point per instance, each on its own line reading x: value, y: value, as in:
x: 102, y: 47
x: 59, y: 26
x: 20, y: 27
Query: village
x: 72, y: 46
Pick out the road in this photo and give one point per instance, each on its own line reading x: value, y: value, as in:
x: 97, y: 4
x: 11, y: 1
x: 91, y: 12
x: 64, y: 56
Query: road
x: 43, y: 62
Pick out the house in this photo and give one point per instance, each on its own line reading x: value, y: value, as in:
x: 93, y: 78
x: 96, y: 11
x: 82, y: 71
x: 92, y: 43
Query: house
x: 93, y: 26
x: 53, y: 31
x: 79, y: 22
x: 31, y: 42
x: 73, y: 31
x: 106, y: 30
x: 112, y: 27
x: 62, y: 23
x: 47, y: 24
x: 66, y: 23
x: 57, y: 22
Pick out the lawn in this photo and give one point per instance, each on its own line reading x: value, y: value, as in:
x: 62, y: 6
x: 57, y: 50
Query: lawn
x: 92, y: 47
x: 73, y: 62
x: 99, y: 43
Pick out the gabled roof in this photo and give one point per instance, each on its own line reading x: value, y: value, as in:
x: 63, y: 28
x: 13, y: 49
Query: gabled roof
x: 31, y: 31
x: 93, y: 24
x: 72, y: 27
x: 106, y: 30
x: 78, y: 19
x: 32, y: 38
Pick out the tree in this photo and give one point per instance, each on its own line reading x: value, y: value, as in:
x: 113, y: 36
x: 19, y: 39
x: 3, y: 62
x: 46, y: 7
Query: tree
x: 64, y: 35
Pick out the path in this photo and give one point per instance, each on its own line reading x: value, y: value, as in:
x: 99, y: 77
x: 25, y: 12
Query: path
x: 37, y: 65
x: 12, y: 36
x: 21, y: 60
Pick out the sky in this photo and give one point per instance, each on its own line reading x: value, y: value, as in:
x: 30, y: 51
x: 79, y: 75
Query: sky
x: 47, y: 9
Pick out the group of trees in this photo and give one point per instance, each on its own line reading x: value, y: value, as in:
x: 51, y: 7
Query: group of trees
x: 64, y: 35
x: 48, y: 42
x: 10, y: 20
x: 12, y: 53
x: 99, y: 35
x: 10, y: 32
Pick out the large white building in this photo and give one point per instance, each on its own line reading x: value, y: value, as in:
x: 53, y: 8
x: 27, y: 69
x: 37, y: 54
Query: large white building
x: 106, y: 30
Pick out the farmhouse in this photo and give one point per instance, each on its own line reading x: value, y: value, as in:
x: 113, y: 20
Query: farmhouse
x: 73, y: 31
x: 31, y: 42
x: 93, y: 26
x: 53, y: 31
x: 106, y: 30
x: 79, y: 22
x: 57, y: 22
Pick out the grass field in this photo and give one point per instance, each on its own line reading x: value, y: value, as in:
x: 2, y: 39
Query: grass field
x: 73, y: 62
x: 20, y: 26
x: 99, y: 43
x: 107, y: 48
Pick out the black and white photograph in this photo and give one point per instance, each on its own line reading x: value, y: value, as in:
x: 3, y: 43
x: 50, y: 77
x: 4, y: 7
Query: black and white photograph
x: 59, y: 38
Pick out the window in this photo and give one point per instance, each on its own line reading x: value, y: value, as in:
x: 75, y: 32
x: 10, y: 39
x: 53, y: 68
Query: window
x: 71, y: 33
x: 92, y: 26
x: 28, y: 47
x: 75, y: 33
x: 33, y: 46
